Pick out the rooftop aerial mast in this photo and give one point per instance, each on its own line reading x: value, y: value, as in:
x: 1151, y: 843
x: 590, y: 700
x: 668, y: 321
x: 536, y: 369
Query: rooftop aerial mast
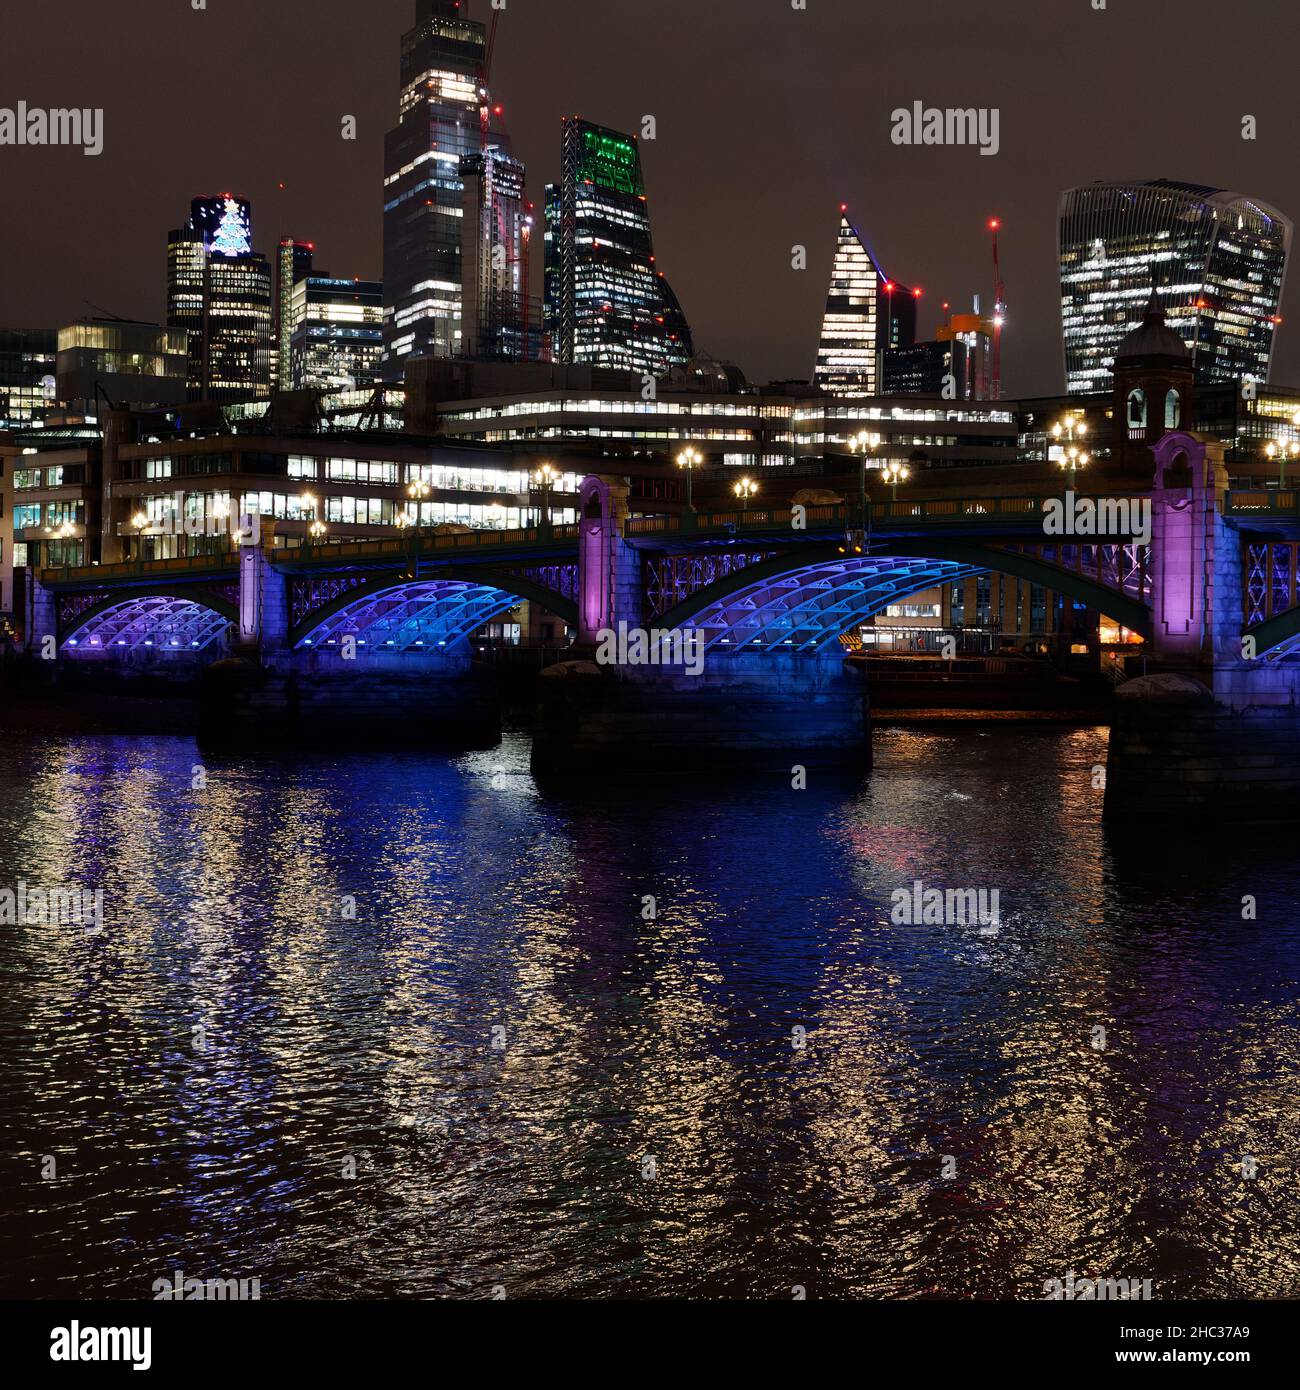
x: 999, y: 313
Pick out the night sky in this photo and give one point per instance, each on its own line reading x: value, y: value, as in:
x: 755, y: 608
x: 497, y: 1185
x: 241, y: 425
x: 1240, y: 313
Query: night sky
x: 768, y: 118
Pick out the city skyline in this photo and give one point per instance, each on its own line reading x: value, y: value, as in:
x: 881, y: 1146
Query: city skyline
x: 922, y: 210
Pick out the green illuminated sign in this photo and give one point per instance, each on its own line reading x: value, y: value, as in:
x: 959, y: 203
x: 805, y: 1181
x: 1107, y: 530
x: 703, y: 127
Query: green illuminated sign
x: 611, y: 161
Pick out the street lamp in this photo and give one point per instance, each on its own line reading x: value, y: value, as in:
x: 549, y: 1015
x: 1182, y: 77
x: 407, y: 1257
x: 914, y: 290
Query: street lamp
x: 1071, y: 428
x: 745, y: 489
x: 894, y: 474
x: 417, y: 491
x: 687, y: 459
x: 866, y: 445
x: 545, y: 478
x: 140, y: 520
x: 1281, y: 452
x: 1071, y: 460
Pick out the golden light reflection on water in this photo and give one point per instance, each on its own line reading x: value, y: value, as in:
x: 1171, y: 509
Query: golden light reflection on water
x: 433, y: 969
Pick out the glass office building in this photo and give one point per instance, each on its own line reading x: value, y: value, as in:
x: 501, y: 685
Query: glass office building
x: 27, y: 376
x: 499, y: 318
x: 607, y: 302
x: 219, y: 292
x: 335, y: 333
x: 1216, y: 260
x: 867, y: 312
x: 123, y: 361
x: 442, y: 117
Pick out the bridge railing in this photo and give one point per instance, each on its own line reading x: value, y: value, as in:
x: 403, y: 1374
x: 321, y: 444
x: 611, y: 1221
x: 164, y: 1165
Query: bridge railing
x: 404, y: 546
x: 1243, y: 501
x: 938, y: 510
x: 398, y: 547
x: 180, y: 566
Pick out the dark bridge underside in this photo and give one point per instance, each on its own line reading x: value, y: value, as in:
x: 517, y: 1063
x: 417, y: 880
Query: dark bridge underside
x: 803, y: 599
x: 1277, y: 637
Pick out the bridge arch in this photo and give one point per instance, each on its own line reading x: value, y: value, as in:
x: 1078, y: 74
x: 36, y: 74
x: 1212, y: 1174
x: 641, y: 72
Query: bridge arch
x: 436, y: 610
x: 179, y: 619
x: 803, y: 598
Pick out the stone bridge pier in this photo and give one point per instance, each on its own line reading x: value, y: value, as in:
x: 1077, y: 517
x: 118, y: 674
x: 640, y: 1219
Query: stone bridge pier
x: 625, y: 705
x: 1211, y: 732
x: 274, y: 693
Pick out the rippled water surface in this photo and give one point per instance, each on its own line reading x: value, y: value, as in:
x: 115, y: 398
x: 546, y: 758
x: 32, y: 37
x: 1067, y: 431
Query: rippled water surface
x: 430, y: 969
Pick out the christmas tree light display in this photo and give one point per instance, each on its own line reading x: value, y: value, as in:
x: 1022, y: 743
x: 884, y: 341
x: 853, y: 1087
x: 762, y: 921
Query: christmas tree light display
x: 231, y: 237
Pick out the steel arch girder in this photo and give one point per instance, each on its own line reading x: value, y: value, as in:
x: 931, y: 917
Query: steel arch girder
x: 165, y: 618
x: 348, y: 606
x: 813, y: 614
x: 951, y: 560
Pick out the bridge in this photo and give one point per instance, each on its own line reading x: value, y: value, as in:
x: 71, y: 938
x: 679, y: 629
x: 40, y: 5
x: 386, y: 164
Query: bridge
x: 713, y: 570
x: 763, y: 593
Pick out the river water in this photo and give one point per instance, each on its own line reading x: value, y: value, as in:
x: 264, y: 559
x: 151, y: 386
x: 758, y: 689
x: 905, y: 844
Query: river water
x: 411, y: 1026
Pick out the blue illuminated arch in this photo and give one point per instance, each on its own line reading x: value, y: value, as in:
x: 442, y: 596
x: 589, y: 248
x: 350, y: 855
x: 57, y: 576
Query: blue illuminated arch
x: 803, y: 599
x: 423, y: 614
x: 162, y: 621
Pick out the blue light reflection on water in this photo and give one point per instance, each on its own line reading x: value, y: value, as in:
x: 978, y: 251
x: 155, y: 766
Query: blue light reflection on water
x: 482, y: 903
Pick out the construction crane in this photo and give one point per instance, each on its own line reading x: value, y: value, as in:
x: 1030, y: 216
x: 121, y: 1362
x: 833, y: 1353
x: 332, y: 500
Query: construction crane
x: 501, y: 235
x: 999, y: 312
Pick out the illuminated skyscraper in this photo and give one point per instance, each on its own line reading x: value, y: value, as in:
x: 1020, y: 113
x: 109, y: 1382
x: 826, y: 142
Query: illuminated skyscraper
x: 335, y: 333
x: 219, y: 291
x: 866, y: 312
x: 442, y: 119
x: 1216, y: 260
x: 499, y: 318
x: 293, y: 263
x: 606, y: 301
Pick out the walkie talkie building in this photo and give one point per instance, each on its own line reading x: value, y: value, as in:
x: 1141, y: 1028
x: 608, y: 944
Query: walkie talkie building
x: 1216, y: 260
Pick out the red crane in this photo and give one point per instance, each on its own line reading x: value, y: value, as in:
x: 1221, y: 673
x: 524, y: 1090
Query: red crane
x: 999, y: 312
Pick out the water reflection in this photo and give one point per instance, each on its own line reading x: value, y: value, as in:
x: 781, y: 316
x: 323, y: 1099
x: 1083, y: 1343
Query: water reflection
x: 425, y: 971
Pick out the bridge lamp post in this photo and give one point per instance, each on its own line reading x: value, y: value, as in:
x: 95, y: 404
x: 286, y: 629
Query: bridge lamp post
x: 894, y: 474
x: 1281, y: 452
x: 417, y: 490
x: 688, y: 459
x: 1072, y: 460
x: 65, y: 533
x: 1070, y: 429
x: 140, y: 520
x: 406, y: 526
x: 745, y: 489
x: 315, y: 532
x: 866, y: 445
x: 545, y: 478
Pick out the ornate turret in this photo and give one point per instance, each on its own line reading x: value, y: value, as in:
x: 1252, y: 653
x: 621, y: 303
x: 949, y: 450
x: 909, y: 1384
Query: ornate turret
x: 1153, y: 384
